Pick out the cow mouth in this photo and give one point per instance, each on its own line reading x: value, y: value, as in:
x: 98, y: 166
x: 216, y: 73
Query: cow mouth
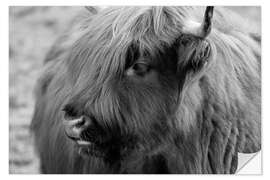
x: 86, y: 149
x: 86, y: 137
x: 91, y: 140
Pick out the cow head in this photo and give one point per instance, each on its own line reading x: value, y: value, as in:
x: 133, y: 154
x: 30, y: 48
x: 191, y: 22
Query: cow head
x: 128, y: 75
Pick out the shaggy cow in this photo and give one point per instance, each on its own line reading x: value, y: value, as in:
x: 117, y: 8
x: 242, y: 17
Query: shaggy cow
x: 150, y: 90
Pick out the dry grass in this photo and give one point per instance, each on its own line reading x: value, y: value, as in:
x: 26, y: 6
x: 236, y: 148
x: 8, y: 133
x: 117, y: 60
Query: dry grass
x: 32, y: 30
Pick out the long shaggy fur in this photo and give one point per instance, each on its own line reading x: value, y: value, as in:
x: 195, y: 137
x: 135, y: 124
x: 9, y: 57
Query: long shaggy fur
x: 197, y: 128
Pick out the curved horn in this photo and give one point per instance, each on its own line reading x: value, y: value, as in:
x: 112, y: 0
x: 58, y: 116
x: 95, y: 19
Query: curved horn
x: 201, y: 30
x: 207, y: 21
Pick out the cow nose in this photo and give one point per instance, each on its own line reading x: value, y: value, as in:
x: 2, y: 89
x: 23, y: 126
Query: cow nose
x: 75, y: 127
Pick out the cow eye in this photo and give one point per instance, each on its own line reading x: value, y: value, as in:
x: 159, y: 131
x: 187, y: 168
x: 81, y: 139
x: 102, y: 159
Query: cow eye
x: 141, y: 68
x: 185, y: 42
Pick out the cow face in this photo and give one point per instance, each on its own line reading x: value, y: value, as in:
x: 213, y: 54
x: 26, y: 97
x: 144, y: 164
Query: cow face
x: 125, y: 97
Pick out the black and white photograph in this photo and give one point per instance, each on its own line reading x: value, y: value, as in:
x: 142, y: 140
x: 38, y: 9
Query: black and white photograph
x: 134, y: 89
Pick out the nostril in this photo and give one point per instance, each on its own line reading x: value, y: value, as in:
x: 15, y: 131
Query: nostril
x: 92, y: 130
x: 79, y: 126
x: 81, y: 123
x: 73, y: 128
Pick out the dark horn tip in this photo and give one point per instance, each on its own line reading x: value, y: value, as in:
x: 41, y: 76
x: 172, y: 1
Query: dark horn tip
x: 210, y: 7
x: 209, y: 11
x: 207, y: 24
x: 92, y: 9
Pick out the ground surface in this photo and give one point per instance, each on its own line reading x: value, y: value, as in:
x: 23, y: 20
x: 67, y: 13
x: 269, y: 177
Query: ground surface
x: 32, y: 30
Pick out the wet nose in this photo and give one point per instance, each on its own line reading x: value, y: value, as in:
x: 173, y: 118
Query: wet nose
x: 74, y: 128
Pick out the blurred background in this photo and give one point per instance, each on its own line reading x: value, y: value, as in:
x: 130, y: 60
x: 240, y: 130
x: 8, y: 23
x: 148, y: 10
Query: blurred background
x: 32, y: 31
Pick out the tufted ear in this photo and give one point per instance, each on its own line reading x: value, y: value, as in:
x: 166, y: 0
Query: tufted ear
x: 193, y: 53
x: 194, y: 49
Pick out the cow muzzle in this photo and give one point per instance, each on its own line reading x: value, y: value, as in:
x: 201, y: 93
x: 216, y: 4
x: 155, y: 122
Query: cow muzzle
x: 86, y: 134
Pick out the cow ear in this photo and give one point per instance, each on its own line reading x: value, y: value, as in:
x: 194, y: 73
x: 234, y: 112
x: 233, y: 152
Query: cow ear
x: 193, y: 53
x: 92, y: 9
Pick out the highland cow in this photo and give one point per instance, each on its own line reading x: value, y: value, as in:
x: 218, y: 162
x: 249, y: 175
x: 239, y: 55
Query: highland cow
x: 150, y: 90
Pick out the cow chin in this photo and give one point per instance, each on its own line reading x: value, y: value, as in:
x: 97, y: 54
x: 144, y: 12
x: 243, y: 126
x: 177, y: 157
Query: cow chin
x: 92, y: 150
